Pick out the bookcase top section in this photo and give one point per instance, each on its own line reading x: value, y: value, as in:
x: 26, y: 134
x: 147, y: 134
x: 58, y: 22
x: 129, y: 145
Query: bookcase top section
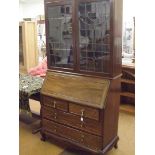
x: 84, y: 90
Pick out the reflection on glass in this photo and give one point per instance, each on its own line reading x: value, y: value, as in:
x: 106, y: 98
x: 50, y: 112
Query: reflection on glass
x: 21, y: 57
x: 94, y: 33
x: 60, y: 36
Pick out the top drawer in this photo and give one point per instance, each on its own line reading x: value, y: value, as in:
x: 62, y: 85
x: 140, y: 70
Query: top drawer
x: 55, y: 103
x: 84, y: 111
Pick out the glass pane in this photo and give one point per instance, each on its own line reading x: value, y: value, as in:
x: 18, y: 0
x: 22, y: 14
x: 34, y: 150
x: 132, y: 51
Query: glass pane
x: 21, y: 56
x: 60, y: 36
x: 94, y: 33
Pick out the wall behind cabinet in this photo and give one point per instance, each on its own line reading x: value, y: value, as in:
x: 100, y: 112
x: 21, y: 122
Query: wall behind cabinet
x: 31, y: 8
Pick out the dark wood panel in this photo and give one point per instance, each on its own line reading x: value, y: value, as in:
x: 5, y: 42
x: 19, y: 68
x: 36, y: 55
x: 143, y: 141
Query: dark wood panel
x: 111, y: 112
x: 75, y: 88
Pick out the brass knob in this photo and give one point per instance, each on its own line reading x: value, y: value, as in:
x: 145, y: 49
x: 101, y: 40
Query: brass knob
x: 82, y: 136
x: 54, y: 104
x: 81, y: 119
x: 55, y: 115
x: 82, y: 112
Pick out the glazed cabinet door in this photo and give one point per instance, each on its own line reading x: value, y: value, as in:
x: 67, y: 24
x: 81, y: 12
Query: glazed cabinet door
x: 59, y: 34
x: 94, y: 36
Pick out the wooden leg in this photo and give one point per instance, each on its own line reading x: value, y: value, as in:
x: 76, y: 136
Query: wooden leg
x: 116, y: 146
x: 43, y: 137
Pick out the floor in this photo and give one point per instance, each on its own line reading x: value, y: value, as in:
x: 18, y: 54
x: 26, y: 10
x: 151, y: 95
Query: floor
x: 30, y: 144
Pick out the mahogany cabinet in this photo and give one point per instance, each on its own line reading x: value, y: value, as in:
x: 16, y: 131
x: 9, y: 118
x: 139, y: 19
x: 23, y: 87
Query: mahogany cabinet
x: 80, y: 95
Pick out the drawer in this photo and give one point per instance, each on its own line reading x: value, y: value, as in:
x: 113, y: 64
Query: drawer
x: 84, y: 111
x: 88, y: 125
x: 83, y: 138
x: 55, y: 103
x: 49, y: 113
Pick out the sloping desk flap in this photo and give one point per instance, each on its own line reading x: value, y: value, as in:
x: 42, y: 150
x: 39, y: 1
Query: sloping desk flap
x: 75, y: 88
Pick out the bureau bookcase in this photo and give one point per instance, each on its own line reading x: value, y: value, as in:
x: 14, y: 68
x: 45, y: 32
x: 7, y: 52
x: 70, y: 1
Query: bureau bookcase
x: 80, y: 95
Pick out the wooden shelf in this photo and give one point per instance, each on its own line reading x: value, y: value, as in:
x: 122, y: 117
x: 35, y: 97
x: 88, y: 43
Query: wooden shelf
x: 127, y: 108
x: 127, y: 94
x: 127, y: 81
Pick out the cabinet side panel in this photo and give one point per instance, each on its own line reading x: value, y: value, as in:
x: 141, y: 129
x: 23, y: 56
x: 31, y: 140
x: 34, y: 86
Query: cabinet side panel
x: 22, y: 67
x: 117, y: 7
x: 31, y: 39
x: 111, y: 112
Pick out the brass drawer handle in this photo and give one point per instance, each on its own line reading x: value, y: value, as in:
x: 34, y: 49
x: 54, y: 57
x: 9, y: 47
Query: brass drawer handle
x: 81, y: 119
x: 82, y: 114
x: 54, y: 104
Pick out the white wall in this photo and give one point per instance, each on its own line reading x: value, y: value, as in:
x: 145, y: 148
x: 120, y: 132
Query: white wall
x: 31, y: 8
x: 128, y: 14
x: 128, y: 9
x: 20, y: 11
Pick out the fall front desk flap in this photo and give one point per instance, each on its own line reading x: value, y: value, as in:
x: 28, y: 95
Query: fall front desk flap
x: 75, y: 88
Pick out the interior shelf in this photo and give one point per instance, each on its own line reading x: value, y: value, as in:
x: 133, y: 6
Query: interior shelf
x: 127, y: 94
x: 127, y: 108
x: 127, y: 81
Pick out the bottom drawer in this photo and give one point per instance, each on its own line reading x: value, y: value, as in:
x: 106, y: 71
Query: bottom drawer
x: 88, y: 140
